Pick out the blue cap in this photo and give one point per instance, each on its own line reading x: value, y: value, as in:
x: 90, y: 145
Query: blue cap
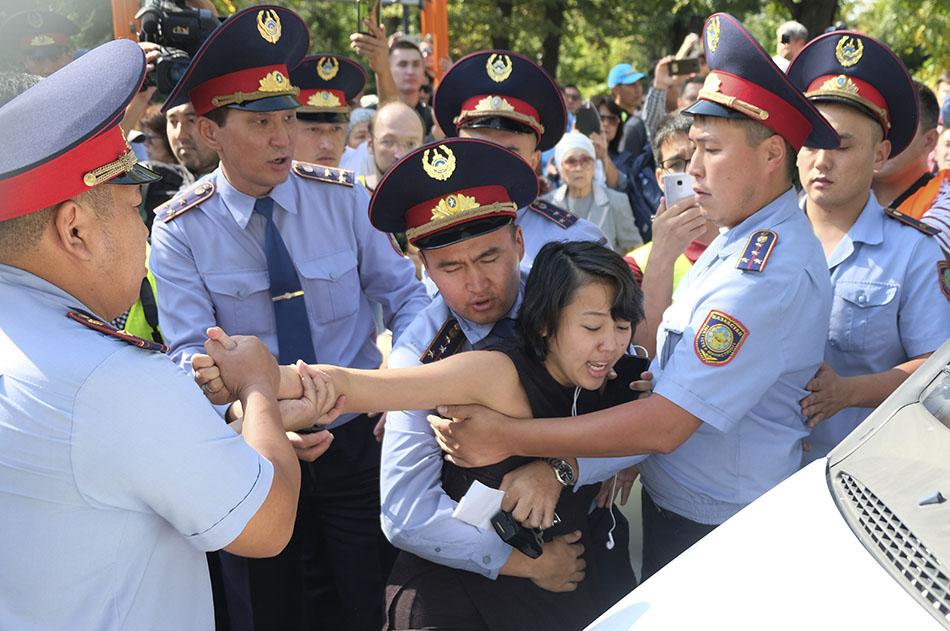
x: 452, y: 190
x: 62, y: 136
x: 856, y: 70
x: 743, y: 81
x: 37, y: 33
x: 502, y: 90
x: 623, y: 74
x: 245, y: 63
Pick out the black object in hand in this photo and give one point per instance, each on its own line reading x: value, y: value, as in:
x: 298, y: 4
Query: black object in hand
x: 526, y: 540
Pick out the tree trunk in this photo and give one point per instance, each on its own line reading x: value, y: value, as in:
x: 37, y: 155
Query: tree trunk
x: 554, y: 11
x: 815, y: 15
x: 501, y: 37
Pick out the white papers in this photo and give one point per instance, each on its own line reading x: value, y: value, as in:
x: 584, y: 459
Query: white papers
x: 479, y: 505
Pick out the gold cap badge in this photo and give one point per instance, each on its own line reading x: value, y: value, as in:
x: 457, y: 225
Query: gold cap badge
x: 327, y: 67
x: 453, y: 205
x: 494, y: 103
x: 498, y: 67
x: 712, y: 34
x: 268, y: 25
x: 849, y: 50
x: 440, y: 165
x: 324, y: 99
x: 274, y: 81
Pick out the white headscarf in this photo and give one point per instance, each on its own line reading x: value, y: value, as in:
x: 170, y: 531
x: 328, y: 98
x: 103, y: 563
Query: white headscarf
x: 571, y: 141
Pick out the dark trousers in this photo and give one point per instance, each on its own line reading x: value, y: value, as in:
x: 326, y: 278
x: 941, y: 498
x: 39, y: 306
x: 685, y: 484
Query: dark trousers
x: 666, y: 535
x: 611, y: 563
x: 333, y: 573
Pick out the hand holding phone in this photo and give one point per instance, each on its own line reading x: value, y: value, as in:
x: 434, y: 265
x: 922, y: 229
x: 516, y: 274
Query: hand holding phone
x: 677, y: 187
x: 689, y: 65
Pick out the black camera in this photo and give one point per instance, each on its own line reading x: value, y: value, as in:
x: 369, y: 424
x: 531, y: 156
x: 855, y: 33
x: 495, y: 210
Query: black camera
x: 526, y: 540
x: 179, y: 30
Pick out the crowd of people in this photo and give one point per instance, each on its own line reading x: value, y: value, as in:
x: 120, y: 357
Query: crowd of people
x: 263, y: 337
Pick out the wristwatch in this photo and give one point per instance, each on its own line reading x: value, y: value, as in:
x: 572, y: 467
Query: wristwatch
x: 563, y: 471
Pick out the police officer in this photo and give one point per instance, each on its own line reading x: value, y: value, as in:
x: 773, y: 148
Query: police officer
x: 506, y: 98
x: 40, y: 39
x: 108, y: 500
x: 328, y: 84
x: 285, y: 251
x: 742, y: 336
x: 888, y: 314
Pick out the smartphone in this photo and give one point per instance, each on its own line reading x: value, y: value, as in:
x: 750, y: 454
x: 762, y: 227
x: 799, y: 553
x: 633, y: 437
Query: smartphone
x: 587, y: 120
x: 684, y: 66
x: 615, y: 391
x: 364, y: 9
x: 677, y: 186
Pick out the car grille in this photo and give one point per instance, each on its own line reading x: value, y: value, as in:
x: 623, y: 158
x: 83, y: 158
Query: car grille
x: 905, y: 552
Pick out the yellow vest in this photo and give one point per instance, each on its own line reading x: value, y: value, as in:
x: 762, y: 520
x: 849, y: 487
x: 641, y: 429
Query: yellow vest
x: 137, y: 324
x: 680, y: 266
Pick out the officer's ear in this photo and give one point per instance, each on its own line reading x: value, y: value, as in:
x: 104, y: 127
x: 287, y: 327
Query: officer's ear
x: 882, y: 151
x: 74, y: 226
x: 209, y: 132
x: 775, y: 149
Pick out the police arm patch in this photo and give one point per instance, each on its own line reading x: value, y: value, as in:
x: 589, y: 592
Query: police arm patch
x: 943, y: 276
x: 719, y: 338
x: 757, y: 251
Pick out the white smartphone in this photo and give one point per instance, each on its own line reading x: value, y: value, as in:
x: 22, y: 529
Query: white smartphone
x: 677, y: 186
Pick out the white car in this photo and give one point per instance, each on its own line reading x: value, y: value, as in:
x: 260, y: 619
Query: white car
x: 860, y: 540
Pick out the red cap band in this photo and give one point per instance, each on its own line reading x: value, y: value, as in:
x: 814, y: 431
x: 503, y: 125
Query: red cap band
x: 245, y: 85
x: 60, y: 178
x: 500, y: 105
x: 464, y: 204
x: 43, y: 39
x: 772, y: 111
x: 852, y: 88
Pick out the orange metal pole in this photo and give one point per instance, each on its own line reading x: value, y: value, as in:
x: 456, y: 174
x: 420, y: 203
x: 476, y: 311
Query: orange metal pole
x: 123, y: 19
x: 435, y: 22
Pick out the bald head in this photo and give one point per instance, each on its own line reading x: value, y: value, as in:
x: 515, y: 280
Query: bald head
x: 395, y: 130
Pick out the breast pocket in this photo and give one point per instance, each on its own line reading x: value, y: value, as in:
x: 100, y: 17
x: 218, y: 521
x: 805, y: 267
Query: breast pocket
x: 863, y: 315
x: 241, y: 301
x: 332, y: 285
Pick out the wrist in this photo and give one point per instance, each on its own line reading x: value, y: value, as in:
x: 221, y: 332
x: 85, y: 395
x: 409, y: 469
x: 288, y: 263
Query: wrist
x: 564, y: 473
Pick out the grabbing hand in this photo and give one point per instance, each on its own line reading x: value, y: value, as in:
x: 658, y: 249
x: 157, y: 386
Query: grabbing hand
x: 531, y: 494
x: 560, y: 567
x: 644, y: 385
x: 620, y: 484
x: 319, y: 404
x: 471, y: 437
x: 208, y: 378
x: 829, y: 395
x: 309, y: 447
x: 243, y: 362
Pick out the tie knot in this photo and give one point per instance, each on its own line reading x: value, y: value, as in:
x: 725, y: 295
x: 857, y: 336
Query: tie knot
x: 265, y: 207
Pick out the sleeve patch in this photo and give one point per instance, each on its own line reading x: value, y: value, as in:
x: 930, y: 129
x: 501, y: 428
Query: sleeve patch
x: 943, y: 275
x: 320, y: 173
x: 907, y: 220
x: 561, y: 217
x: 185, y: 201
x: 719, y: 338
x: 757, y: 251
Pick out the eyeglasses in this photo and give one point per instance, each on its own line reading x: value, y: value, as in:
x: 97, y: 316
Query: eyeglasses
x: 676, y: 164
x: 572, y: 96
x: 577, y: 163
x: 610, y: 118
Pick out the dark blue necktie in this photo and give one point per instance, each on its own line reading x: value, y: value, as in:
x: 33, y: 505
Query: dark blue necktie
x: 503, y: 330
x: 293, y: 325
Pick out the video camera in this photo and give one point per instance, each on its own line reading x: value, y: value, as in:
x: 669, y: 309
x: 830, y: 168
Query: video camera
x: 179, y: 30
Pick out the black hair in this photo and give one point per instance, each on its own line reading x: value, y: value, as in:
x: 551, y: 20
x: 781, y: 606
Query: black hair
x: 559, y: 270
x: 700, y: 79
x: 613, y: 147
x: 671, y: 125
x: 405, y: 44
x: 219, y: 116
x: 928, y: 108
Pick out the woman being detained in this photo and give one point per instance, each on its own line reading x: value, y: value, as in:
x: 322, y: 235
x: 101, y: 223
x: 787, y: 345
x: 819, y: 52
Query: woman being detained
x: 580, y: 307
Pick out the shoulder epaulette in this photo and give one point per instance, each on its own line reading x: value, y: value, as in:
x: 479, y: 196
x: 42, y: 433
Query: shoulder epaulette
x: 757, y: 250
x: 107, y: 329
x: 893, y: 213
x: 324, y: 174
x: 185, y: 200
x: 447, y: 342
x: 560, y: 216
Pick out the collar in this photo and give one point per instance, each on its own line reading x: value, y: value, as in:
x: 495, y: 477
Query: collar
x: 475, y: 333
x: 868, y: 228
x: 241, y: 205
x: 767, y: 217
x: 15, y: 276
x: 598, y: 191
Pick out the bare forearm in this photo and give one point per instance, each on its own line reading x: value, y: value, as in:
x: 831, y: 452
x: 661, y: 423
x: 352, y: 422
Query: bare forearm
x: 651, y: 425
x: 610, y: 173
x: 386, y: 86
x: 869, y: 391
x: 518, y: 564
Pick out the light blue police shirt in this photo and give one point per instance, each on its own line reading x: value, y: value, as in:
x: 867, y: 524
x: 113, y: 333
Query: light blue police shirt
x: 210, y: 269
x: 116, y: 475
x: 887, y: 309
x: 747, y: 398
x: 416, y: 511
x: 539, y: 231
